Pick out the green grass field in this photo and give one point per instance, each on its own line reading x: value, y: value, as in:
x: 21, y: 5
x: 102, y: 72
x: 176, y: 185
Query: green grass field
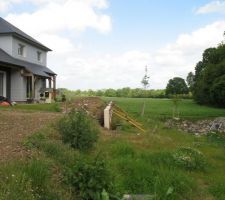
x: 166, y: 163
x: 163, y: 108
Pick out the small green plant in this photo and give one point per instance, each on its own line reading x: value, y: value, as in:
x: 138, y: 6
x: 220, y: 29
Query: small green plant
x: 90, y: 179
x: 190, y: 159
x: 216, y: 138
x: 79, y: 130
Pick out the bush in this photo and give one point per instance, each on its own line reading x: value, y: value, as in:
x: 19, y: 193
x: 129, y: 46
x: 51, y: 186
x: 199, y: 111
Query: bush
x: 78, y: 130
x: 189, y: 159
x: 90, y: 179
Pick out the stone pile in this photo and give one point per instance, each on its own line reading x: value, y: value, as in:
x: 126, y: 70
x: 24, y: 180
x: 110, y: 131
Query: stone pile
x: 200, y: 127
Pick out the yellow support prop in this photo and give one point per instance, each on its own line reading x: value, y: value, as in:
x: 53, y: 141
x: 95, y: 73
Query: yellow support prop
x: 123, y: 115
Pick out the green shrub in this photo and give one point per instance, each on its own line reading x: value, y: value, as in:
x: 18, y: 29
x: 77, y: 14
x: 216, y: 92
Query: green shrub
x: 189, y: 159
x: 79, y: 130
x: 89, y: 178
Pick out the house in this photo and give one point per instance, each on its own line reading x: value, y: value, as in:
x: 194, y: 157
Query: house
x: 24, y: 75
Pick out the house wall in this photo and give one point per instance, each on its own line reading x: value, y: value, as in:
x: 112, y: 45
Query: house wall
x: 18, y: 86
x: 38, y: 85
x: 30, y: 52
x: 6, y: 44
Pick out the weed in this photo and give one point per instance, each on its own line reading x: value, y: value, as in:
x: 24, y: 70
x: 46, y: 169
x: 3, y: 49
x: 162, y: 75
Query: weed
x: 90, y: 178
x: 189, y: 159
x: 78, y: 130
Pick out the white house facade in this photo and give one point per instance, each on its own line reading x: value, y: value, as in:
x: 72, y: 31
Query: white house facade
x: 24, y: 74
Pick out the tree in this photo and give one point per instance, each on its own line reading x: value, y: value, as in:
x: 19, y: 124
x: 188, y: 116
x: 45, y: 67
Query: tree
x: 209, y: 80
x: 190, y: 80
x: 145, y: 83
x: 176, y: 86
x: 145, y: 79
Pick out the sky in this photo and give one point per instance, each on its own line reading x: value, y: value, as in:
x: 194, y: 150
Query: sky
x: 101, y: 44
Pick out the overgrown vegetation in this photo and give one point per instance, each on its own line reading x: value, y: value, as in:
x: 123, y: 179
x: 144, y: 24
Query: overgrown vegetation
x: 90, y: 178
x: 189, y: 159
x: 79, y: 130
x: 125, y: 163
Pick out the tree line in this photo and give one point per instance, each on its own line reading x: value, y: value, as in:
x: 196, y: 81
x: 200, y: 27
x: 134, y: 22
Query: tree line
x: 123, y: 92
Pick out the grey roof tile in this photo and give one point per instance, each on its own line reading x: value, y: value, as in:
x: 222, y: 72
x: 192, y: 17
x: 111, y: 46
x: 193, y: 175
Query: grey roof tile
x: 7, y: 28
x: 31, y: 67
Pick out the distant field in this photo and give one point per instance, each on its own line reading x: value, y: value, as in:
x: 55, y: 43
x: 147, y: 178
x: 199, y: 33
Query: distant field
x: 163, y: 108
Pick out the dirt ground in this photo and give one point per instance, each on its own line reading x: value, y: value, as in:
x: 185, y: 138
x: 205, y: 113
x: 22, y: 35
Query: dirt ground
x: 94, y: 106
x: 17, y: 125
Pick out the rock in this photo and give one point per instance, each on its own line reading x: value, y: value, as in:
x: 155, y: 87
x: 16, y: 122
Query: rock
x: 200, y: 127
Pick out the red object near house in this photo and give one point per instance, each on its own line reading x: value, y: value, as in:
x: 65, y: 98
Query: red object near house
x: 4, y: 103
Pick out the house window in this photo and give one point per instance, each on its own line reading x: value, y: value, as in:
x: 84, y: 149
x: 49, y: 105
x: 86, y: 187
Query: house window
x: 21, y: 50
x: 29, y: 87
x: 39, y: 56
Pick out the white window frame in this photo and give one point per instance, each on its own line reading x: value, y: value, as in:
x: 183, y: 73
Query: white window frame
x: 4, y: 83
x: 39, y: 56
x: 21, y: 50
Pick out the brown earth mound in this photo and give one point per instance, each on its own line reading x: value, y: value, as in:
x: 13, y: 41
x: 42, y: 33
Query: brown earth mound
x: 94, y: 106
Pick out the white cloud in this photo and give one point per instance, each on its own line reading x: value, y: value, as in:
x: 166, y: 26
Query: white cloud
x: 180, y: 57
x: 212, y: 7
x: 116, y: 71
x: 59, y: 16
x: 77, y: 70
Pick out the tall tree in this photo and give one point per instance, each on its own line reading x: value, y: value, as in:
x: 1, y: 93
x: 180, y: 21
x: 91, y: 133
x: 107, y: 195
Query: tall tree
x: 190, y: 80
x: 176, y: 86
x: 209, y: 78
x: 145, y: 84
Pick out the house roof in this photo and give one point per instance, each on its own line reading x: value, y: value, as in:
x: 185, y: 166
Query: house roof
x: 7, y: 28
x: 31, y: 67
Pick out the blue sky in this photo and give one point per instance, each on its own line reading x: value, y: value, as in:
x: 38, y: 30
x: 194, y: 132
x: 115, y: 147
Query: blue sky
x: 107, y: 43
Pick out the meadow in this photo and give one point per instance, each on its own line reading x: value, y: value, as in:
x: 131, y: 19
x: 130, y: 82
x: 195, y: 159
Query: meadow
x: 163, y: 163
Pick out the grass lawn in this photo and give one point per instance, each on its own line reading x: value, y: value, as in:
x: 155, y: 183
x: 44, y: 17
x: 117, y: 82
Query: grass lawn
x: 51, y: 107
x: 166, y: 163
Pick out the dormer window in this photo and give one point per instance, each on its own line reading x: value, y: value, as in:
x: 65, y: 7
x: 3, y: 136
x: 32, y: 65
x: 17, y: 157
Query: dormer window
x: 39, y: 56
x: 21, y: 50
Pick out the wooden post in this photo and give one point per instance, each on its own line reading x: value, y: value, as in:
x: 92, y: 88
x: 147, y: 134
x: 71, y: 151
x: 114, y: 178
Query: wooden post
x: 50, y: 83
x: 33, y: 87
x: 54, y: 86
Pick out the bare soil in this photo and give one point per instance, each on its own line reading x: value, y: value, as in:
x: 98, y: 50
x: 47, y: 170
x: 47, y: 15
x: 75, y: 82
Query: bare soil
x: 94, y: 106
x: 15, y: 126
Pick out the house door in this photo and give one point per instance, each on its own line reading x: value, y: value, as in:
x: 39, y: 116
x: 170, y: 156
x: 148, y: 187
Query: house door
x: 2, y: 84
